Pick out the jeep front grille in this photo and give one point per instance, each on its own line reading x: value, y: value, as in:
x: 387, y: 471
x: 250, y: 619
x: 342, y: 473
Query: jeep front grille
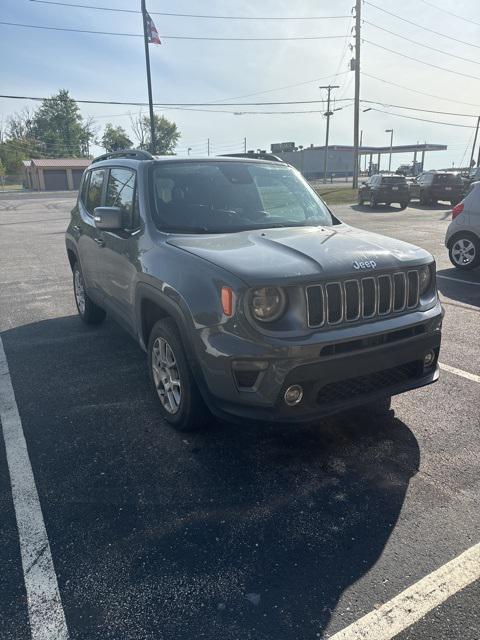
x: 333, y: 303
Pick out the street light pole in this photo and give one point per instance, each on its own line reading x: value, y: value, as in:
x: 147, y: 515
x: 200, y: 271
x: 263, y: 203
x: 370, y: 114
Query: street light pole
x: 327, y: 114
x: 390, y: 131
x: 356, y: 116
x: 149, y: 79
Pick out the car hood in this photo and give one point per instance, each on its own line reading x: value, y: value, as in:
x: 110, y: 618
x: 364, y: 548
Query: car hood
x: 301, y: 253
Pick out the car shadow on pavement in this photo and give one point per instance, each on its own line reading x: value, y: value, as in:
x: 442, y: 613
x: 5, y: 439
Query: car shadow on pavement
x: 460, y: 291
x: 439, y: 206
x: 251, y: 531
x: 379, y: 208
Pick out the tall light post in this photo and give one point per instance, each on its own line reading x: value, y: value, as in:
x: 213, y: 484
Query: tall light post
x: 390, y: 131
x: 188, y: 150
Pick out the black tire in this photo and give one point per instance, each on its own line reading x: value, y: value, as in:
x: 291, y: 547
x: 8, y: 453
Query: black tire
x: 189, y: 413
x: 403, y: 205
x: 88, y: 311
x: 424, y: 201
x: 475, y: 241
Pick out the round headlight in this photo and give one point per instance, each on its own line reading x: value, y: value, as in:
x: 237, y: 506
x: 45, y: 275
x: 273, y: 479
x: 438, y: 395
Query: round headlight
x: 425, y: 278
x: 267, y: 304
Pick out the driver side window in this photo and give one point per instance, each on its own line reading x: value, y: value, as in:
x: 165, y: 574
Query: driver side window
x: 121, y: 193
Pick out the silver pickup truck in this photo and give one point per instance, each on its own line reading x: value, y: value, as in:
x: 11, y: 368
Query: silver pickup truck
x: 251, y: 299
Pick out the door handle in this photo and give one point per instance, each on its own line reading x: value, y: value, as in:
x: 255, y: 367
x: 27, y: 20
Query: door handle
x: 100, y: 242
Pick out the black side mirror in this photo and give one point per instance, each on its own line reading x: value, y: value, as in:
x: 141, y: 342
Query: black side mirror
x: 108, y: 218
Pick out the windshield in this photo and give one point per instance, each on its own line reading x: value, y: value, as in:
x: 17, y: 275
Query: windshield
x: 220, y: 197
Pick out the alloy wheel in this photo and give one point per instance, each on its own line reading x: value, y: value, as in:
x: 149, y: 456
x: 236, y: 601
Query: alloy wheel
x: 79, y: 289
x: 463, y: 252
x: 166, y: 376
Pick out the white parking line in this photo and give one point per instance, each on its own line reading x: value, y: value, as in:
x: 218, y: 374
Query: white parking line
x: 459, y: 372
x: 458, y: 280
x: 45, y: 612
x: 414, y: 603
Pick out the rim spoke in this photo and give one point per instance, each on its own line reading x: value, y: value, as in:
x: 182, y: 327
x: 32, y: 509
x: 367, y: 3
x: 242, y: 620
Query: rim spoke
x: 166, y: 376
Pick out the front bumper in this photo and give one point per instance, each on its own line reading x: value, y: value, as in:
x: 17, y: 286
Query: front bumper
x: 337, y: 369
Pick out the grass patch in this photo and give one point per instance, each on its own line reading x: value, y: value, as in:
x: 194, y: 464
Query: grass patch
x: 337, y: 195
x: 10, y: 187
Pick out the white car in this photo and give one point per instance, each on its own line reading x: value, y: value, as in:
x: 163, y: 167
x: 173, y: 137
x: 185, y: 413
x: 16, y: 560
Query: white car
x: 463, y: 234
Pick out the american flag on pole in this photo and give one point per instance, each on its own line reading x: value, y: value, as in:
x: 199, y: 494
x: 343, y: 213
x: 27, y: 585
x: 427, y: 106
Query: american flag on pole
x: 152, y: 33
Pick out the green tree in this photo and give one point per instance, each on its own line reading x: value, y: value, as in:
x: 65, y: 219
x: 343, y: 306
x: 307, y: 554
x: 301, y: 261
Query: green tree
x: 115, y: 138
x: 12, y: 152
x: 166, y: 133
x: 59, y: 129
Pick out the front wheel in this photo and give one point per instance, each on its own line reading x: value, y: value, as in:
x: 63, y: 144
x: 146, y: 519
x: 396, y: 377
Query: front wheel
x: 181, y: 404
x: 464, y: 252
x: 403, y: 205
x: 88, y: 311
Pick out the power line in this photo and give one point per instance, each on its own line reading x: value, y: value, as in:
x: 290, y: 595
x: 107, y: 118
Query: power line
x: 176, y: 104
x: 401, y: 115
x: 450, y: 13
x: 192, y: 106
x: 399, y: 106
x: 429, y: 64
x: 288, y: 86
x: 189, y: 15
x: 415, y: 24
x: 140, y: 35
x: 422, y: 93
x: 421, y: 44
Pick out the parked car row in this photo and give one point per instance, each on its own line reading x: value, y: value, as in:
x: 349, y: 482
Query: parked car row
x: 428, y: 188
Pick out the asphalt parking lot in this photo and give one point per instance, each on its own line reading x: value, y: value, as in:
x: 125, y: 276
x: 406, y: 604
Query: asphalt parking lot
x: 254, y: 532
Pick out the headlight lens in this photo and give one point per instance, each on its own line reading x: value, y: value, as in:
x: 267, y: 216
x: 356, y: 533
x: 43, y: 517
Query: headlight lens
x: 267, y: 304
x: 425, y: 278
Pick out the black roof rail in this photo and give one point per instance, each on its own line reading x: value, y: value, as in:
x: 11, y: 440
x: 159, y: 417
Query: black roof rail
x: 137, y: 154
x: 255, y: 156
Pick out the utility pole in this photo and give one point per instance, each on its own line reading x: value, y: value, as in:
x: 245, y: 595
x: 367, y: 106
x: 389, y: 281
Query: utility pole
x: 475, y: 142
x: 390, y: 131
x: 208, y: 146
x: 327, y: 114
x: 244, y: 145
x: 149, y: 79
x: 359, y: 155
x: 356, y: 117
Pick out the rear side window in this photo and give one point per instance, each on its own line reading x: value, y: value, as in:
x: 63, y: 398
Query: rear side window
x: 121, y: 193
x: 446, y: 178
x: 94, y: 192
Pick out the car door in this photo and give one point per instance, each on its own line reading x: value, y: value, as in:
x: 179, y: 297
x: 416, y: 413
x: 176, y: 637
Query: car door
x: 416, y: 186
x: 366, y: 189
x: 88, y: 243
x: 118, y: 254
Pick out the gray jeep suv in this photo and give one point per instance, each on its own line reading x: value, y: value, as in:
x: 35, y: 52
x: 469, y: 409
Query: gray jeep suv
x: 250, y: 297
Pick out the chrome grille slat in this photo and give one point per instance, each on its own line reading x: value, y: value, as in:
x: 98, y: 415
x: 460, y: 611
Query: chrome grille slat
x: 334, y: 303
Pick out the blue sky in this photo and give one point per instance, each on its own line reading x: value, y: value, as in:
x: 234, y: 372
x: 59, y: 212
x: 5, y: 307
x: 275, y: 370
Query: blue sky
x: 37, y: 62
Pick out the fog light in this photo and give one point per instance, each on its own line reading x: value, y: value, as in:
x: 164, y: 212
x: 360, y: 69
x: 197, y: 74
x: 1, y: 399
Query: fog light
x: 293, y: 395
x: 429, y: 358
